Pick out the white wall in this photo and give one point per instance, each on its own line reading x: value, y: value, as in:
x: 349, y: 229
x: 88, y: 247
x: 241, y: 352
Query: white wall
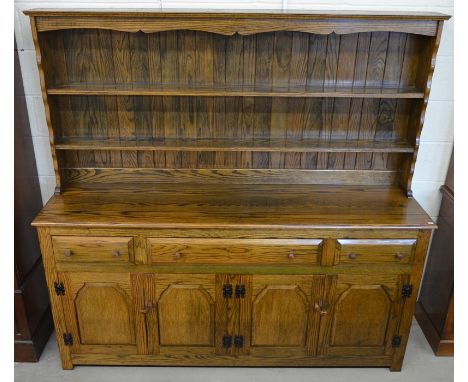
x: 437, y: 136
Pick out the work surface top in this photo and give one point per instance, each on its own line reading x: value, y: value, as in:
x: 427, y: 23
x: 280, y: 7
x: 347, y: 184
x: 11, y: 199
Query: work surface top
x: 176, y: 12
x: 233, y: 206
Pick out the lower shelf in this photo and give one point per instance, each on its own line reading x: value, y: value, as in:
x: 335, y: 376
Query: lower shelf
x: 200, y: 359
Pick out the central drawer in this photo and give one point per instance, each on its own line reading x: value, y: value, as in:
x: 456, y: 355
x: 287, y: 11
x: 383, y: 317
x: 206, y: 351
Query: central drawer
x: 235, y: 251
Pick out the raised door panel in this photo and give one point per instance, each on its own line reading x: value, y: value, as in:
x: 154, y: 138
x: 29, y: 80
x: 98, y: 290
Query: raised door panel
x: 186, y: 310
x: 362, y: 316
x: 279, y: 316
x: 282, y: 318
x: 100, y: 312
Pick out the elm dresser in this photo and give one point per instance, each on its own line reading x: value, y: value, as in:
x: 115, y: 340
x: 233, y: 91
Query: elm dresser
x: 234, y: 188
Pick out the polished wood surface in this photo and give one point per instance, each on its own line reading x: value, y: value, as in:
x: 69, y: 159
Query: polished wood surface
x: 371, y: 251
x: 238, y: 145
x: 232, y: 186
x: 435, y: 310
x: 92, y: 249
x: 281, y: 99
x: 242, y: 22
x: 234, y: 206
x: 32, y: 315
x: 234, y: 251
x: 237, y: 13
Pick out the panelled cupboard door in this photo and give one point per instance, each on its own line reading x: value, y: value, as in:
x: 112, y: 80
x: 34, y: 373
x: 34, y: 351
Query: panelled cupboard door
x: 100, y: 312
x: 360, y: 314
x: 283, y: 318
x: 185, y: 311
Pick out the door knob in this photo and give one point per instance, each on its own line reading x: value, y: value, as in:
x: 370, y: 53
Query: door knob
x: 322, y: 309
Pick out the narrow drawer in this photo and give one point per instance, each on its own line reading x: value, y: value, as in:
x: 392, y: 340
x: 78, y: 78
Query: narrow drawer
x: 376, y: 251
x: 234, y: 251
x: 92, y: 248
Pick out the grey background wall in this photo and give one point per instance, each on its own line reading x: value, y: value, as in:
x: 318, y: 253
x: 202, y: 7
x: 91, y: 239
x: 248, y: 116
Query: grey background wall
x: 437, y: 136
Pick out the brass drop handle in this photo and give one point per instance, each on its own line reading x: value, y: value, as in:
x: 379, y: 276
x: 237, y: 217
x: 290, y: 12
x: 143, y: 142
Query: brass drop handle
x: 148, y: 307
x: 400, y: 256
x: 177, y: 255
x: 117, y: 253
x: 352, y: 256
x: 291, y: 255
x: 68, y: 253
x: 322, y: 309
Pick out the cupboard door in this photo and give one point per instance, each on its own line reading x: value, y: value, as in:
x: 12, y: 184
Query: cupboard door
x: 185, y: 311
x: 100, y: 312
x: 282, y: 319
x: 360, y: 314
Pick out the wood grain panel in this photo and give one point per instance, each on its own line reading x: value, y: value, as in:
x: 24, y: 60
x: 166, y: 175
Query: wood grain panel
x: 104, y: 315
x: 93, y: 249
x: 278, y: 310
x: 370, y: 251
x: 242, y: 26
x: 262, y: 150
x: 234, y: 176
x: 194, y: 310
x: 225, y: 251
x: 235, y: 205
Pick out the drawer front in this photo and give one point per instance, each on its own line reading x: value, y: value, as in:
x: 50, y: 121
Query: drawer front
x: 92, y: 248
x: 365, y: 251
x: 234, y: 251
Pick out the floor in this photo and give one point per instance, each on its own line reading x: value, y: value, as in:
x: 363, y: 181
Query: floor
x: 420, y: 365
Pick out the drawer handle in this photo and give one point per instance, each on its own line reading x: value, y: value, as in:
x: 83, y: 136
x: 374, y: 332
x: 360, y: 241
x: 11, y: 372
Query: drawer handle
x: 322, y: 309
x: 400, y: 256
x: 177, y: 255
x: 117, y: 253
x: 352, y: 256
x: 291, y: 255
x: 68, y: 253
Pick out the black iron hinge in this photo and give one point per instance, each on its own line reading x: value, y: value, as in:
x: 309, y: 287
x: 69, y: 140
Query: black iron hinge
x: 407, y: 290
x: 240, y: 291
x: 227, y: 341
x: 396, y: 341
x: 238, y: 341
x: 227, y: 290
x: 67, y: 339
x: 59, y: 289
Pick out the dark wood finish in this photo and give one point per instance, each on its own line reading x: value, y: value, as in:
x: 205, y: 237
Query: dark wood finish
x: 33, y: 319
x: 435, y: 309
x: 233, y: 185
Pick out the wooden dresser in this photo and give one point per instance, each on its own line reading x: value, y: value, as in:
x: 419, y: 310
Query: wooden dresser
x: 33, y: 319
x: 435, y: 307
x: 234, y: 188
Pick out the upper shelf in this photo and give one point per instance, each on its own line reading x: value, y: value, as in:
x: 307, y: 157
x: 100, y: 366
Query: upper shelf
x: 235, y: 91
x: 219, y: 144
x: 239, y: 13
x: 242, y: 22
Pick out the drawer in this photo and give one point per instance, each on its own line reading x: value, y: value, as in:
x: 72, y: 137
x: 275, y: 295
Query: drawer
x: 365, y: 251
x: 92, y: 248
x: 234, y: 251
